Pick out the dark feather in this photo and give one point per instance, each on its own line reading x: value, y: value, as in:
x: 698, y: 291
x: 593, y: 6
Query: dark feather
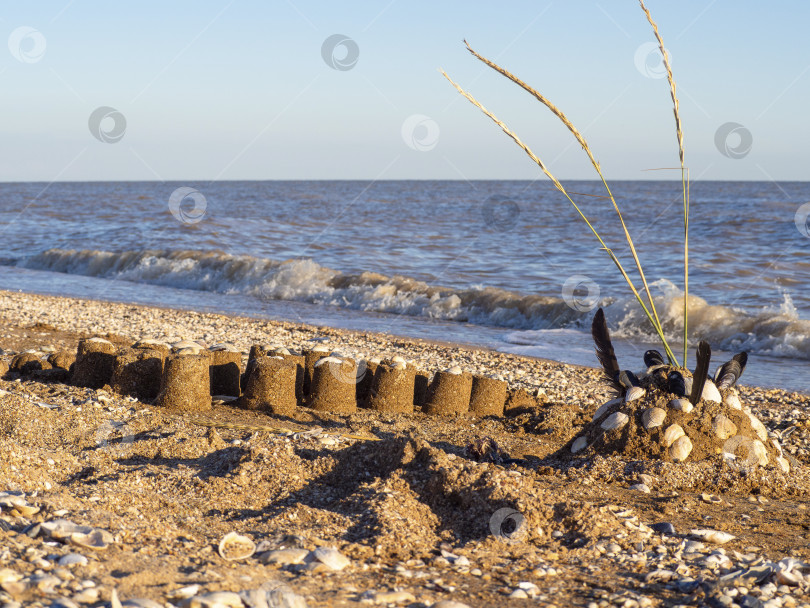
x: 604, y: 351
x: 627, y: 379
x: 653, y: 357
x: 704, y: 355
x: 728, y: 373
x: 676, y: 384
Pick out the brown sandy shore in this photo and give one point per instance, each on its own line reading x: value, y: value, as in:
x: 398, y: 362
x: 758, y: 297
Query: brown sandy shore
x: 417, y: 519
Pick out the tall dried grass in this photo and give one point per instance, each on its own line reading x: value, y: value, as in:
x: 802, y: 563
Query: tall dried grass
x: 648, y: 306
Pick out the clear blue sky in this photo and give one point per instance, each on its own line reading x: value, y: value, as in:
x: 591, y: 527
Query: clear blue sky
x: 240, y: 90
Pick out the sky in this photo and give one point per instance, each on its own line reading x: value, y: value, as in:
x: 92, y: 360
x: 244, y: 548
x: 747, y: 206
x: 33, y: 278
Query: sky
x: 297, y: 89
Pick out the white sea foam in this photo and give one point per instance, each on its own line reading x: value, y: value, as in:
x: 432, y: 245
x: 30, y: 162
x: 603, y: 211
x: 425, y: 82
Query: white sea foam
x: 778, y: 332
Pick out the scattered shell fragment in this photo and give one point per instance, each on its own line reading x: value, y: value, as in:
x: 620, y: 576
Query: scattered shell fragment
x: 682, y: 405
x: 217, y: 599
x: 712, y: 536
x: 759, y: 453
x: 284, y: 557
x: 615, y: 421
x: 680, y: 448
x: 580, y: 443
x: 783, y: 463
x: 635, y: 392
x: 673, y: 432
x: 653, y: 417
x: 95, y: 540
x: 235, y: 546
x: 723, y: 427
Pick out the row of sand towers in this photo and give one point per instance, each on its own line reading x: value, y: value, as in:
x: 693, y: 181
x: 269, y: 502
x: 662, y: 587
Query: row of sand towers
x: 185, y: 375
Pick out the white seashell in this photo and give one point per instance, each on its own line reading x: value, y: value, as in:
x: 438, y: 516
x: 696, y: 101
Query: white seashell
x: 400, y: 365
x: 216, y: 599
x: 710, y: 392
x: 653, y: 417
x: 185, y: 344
x: 95, y: 540
x: 401, y: 359
x: 235, y: 546
x: 635, y: 392
x: 680, y: 449
x: 784, y: 464
x: 615, y: 421
x: 330, y: 557
x: 324, y: 360
x: 99, y: 340
x: 224, y: 346
x: 776, y: 446
x: 602, y: 409
x: 732, y: 400
x: 183, y: 593
x: 375, y: 360
x: 580, y: 443
x: 320, y: 349
x: 712, y: 536
x: 455, y: 370
x: 672, y: 433
x: 284, y: 557
x: 758, y: 427
x: 760, y: 453
x: 682, y: 405
x: 188, y: 351
x: 281, y: 351
x: 723, y: 427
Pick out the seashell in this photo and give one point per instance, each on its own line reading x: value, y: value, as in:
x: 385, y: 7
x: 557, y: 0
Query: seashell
x: 330, y: 359
x: 281, y: 351
x: 653, y: 417
x: 401, y: 359
x: 375, y: 360
x: 602, y: 409
x: 723, y: 427
x: 188, y: 351
x: 72, y: 558
x: 235, y: 546
x: 95, y: 540
x: 455, y: 370
x: 680, y: 449
x: 320, y: 349
x: 712, y: 536
x: 99, y: 340
x: 682, y: 405
x: 710, y: 392
x: 329, y: 557
x: 183, y: 593
x: 672, y: 433
x: 732, y: 400
x: 224, y: 346
x: 284, y: 557
x: 615, y: 421
x: 215, y: 599
x: 776, y: 446
x: 580, y: 443
x: 687, y: 383
x: 758, y: 427
x: 784, y: 464
x: 760, y: 454
x: 60, y: 529
x: 400, y: 365
x: 635, y: 392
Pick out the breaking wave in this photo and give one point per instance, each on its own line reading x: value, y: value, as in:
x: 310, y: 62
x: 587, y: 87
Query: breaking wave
x: 778, y: 332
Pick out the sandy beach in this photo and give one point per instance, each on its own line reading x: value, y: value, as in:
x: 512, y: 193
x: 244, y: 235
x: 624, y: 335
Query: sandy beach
x: 414, y: 518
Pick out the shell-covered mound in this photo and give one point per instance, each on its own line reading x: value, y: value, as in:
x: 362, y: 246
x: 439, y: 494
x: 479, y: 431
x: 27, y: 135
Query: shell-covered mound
x: 651, y: 422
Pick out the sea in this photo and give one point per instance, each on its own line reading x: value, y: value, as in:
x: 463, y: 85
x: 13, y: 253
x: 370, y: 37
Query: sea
x: 508, y: 265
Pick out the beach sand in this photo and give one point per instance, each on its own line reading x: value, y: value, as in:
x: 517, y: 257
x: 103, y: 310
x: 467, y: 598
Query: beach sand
x: 420, y: 518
